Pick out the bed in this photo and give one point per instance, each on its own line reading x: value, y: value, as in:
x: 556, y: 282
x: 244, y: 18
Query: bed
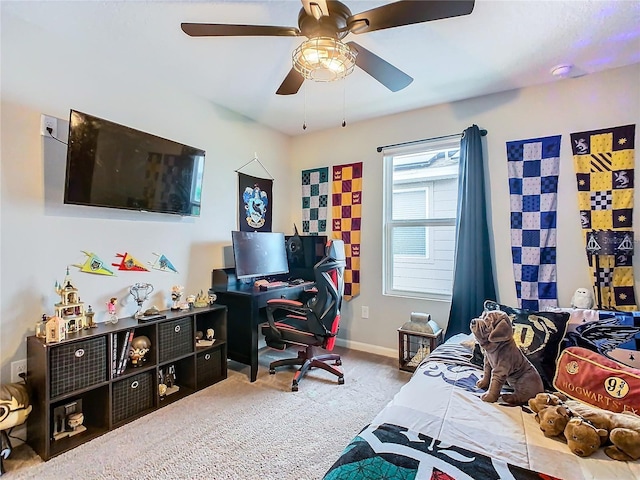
x: 437, y: 427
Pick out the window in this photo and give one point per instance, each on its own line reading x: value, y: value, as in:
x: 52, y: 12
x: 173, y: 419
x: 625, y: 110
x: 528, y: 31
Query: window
x: 420, y: 207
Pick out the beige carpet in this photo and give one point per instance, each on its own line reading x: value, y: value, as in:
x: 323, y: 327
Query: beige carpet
x: 235, y: 429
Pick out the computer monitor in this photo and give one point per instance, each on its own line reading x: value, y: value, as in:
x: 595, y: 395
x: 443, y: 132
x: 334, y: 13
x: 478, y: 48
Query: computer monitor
x: 303, y: 252
x: 259, y: 254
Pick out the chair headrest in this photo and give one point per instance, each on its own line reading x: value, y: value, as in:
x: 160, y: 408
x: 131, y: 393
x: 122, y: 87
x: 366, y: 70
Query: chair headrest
x: 335, y: 249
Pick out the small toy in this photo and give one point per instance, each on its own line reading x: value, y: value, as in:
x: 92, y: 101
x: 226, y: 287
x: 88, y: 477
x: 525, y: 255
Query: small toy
x: 176, y: 295
x: 586, y: 428
x: 504, y: 362
x: 69, y: 308
x: 14, y: 410
x: 111, y: 311
x: 582, y: 298
x: 140, y: 346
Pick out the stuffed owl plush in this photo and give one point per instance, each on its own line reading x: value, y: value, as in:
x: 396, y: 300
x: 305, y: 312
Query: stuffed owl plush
x: 582, y: 298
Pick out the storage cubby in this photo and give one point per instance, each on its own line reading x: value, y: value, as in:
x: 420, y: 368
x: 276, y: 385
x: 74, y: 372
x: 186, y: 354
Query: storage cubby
x: 93, y: 405
x: 79, y: 392
x: 180, y: 379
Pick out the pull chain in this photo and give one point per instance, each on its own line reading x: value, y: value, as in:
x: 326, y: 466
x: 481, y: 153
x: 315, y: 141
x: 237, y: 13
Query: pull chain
x: 304, y: 122
x: 344, y: 102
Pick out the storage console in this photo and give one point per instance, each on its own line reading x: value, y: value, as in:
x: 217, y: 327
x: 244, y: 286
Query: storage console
x: 80, y: 375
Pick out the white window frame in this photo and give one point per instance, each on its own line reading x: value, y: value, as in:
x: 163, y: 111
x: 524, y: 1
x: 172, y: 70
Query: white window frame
x: 389, y: 223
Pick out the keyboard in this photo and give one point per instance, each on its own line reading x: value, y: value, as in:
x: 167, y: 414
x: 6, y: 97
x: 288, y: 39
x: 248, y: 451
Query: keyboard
x: 272, y: 285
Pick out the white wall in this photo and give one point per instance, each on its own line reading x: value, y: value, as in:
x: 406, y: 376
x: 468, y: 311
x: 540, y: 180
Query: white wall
x: 563, y: 107
x: 40, y: 236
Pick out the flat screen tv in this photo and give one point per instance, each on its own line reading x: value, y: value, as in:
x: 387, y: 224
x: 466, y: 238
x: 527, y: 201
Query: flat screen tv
x: 110, y: 165
x: 259, y: 254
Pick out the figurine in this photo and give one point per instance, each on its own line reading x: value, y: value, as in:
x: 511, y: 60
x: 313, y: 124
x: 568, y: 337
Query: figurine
x: 15, y: 408
x: 111, y: 311
x: 89, y: 314
x: 140, y: 346
x: 75, y: 422
x: 176, y: 295
x: 191, y: 300
x: 201, y: 300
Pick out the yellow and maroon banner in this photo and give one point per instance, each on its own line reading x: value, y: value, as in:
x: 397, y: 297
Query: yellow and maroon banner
x: 604, y: 165
x: 347, y: 216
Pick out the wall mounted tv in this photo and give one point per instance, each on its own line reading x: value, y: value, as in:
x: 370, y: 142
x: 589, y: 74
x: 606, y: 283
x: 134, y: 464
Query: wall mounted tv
x: 110, y: 165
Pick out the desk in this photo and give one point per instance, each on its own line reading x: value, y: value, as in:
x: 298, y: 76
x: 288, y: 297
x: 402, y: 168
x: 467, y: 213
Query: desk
x: 245, y: 311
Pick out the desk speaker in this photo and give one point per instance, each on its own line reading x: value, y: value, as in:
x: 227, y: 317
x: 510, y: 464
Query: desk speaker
x: 223, y: 276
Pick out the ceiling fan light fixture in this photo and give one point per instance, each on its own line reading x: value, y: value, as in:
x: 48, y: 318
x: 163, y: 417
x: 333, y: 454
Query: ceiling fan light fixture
x: 324, y: 59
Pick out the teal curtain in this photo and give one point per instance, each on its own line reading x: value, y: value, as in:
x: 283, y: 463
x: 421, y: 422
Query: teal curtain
x: 473, y: 280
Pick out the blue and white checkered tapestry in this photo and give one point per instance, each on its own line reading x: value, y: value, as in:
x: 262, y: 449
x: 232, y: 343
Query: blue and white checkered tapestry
x: 315, y: 200
x: 534, y: 166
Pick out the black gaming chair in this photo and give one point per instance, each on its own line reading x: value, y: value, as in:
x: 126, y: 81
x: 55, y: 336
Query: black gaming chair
x: 311, y: 324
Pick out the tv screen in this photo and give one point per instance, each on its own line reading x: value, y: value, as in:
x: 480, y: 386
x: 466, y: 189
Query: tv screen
x: 259, y: 254
x: 110, y: 165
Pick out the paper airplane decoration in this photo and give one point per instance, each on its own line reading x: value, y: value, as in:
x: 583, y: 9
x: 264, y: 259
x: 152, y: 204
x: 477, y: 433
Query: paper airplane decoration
x: 93, y: 264
x: 129, y: 263
x: 163, y: 264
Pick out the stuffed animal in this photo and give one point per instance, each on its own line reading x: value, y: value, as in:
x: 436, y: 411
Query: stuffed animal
x: 586, y: 428
x: 582, y: 298
x: 504, y: 362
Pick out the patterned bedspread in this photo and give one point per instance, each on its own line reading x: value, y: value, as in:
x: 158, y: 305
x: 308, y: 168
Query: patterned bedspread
x: 437, y: 427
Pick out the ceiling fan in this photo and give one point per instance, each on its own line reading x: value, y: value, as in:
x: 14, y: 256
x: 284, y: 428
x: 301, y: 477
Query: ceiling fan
x: 324, y: 57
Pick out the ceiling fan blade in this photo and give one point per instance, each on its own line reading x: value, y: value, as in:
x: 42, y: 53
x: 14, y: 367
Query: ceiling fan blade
x: 223, y: 30
x: 316, y: 8
x: 291, y: 84
x: 408, y: 12
x: 388, y: 75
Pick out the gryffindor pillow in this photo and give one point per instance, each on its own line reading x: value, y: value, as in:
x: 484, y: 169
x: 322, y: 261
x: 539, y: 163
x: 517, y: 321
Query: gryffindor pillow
x: 597, y: 380
x: 539, y: 335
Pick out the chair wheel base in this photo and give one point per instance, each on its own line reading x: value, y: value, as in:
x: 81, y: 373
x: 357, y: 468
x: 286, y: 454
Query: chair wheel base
x: 272, y: 371
x: 340, y: 380
x: 294, y: 387
x: 338, y: 362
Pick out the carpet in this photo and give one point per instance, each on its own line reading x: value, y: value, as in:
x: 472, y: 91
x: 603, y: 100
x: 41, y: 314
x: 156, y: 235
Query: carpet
x: 236, y: 429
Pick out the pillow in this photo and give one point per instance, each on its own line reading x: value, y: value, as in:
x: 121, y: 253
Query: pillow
x: 597, y: 380
x: 539, y: 335
x: 615, y: 335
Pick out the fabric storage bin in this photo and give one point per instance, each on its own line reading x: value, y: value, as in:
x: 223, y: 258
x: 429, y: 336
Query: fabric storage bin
x: 132, y: 396
x: 78, y: 365
x: 209, y: 367
x: 175, y: 338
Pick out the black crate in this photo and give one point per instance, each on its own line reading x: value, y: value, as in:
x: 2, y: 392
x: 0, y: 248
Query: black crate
x: 209, y: 367
x: 175, y: 338
x: 132, y: 396
x: 78, y: 365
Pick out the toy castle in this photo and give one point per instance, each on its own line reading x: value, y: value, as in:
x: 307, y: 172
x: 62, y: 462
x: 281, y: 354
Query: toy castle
x: 70, y: 308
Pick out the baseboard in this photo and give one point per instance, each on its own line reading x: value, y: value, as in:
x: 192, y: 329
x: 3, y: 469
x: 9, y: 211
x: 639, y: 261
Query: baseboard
x: 365, y: 347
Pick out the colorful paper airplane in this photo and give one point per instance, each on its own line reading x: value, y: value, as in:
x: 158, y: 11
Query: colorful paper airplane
x: 163, y: 264
x: 93, y: 264
x: 129, y: 263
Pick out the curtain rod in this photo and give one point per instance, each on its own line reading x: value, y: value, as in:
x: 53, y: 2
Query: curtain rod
x: 379, y: 149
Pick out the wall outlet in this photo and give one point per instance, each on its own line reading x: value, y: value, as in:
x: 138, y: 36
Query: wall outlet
x: 46, y: 122
x: 365, y: 312
x: 17, y: 368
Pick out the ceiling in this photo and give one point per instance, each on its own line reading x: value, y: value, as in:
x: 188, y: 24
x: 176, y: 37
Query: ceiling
x: 501, y: 45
